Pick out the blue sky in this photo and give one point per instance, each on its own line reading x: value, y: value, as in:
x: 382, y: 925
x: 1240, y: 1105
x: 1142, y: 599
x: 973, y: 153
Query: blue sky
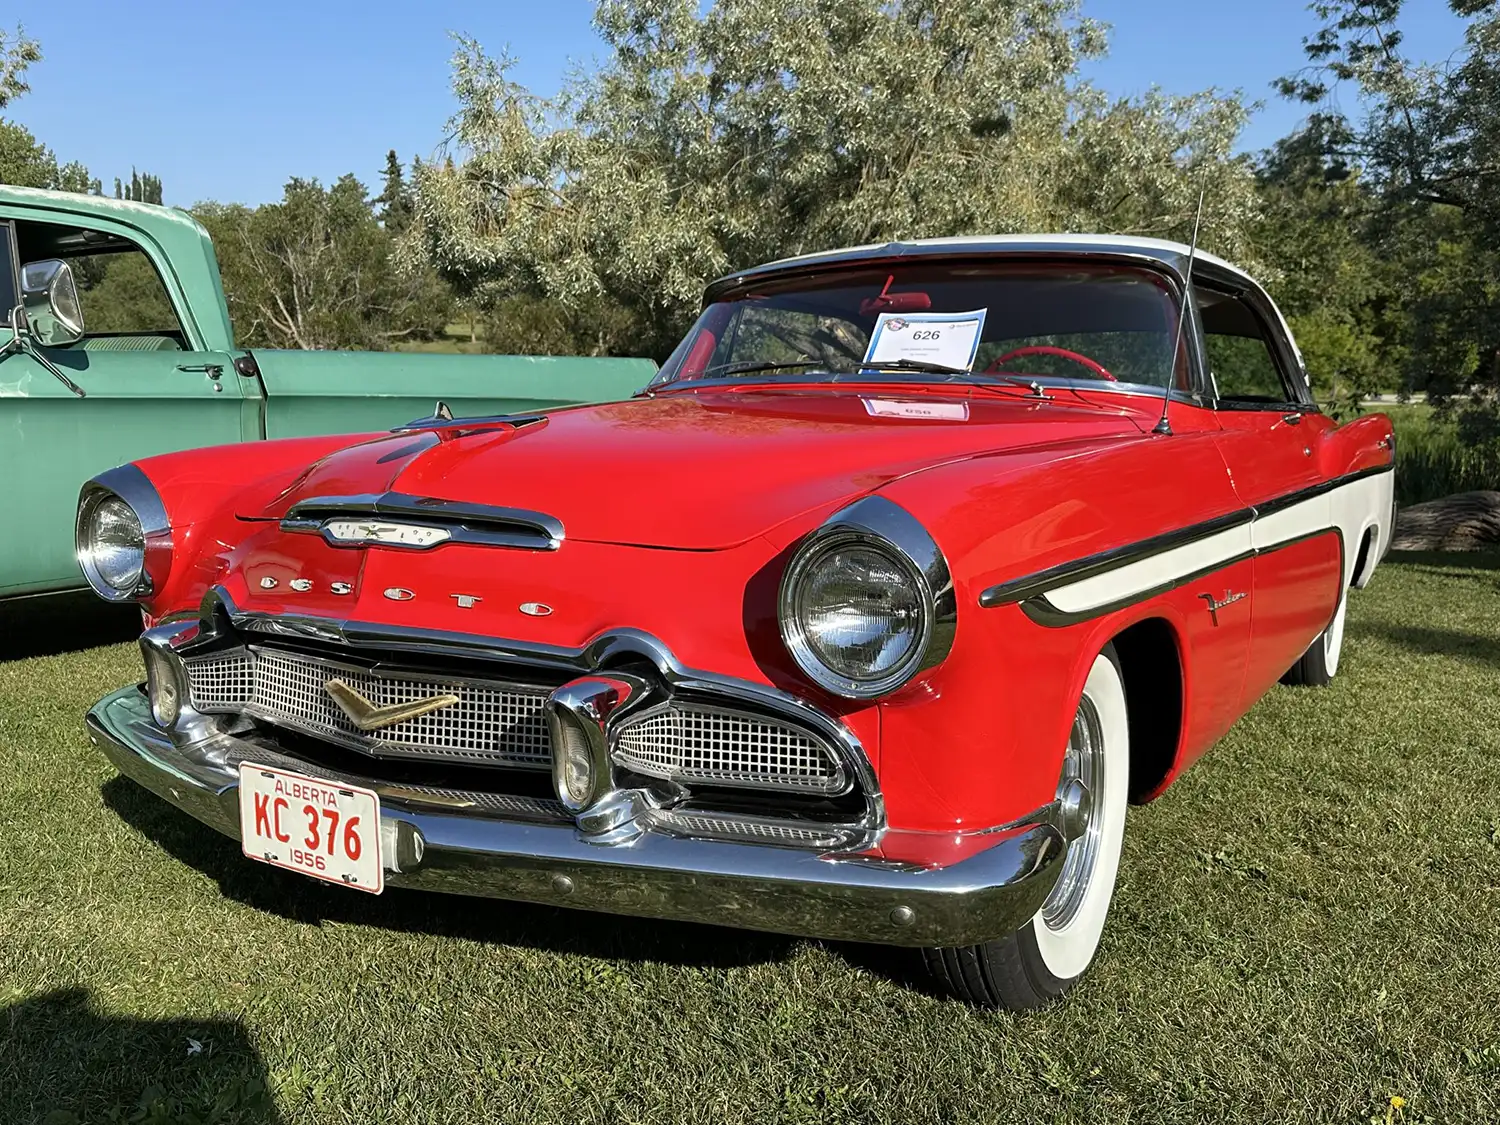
x: 226, y: 101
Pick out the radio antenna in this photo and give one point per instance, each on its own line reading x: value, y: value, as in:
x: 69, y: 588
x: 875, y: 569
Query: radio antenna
x: 1162, y: 425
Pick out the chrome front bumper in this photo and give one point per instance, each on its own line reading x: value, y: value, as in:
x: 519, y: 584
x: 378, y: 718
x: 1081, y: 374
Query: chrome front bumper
x: 839, y: 895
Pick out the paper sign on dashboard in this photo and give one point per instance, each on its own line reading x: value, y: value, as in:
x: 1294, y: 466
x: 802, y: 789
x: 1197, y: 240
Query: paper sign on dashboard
x: 948, y: 339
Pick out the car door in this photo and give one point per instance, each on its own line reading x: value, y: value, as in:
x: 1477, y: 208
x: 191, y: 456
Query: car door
x: 147, y: 386
x: 1270, y: 434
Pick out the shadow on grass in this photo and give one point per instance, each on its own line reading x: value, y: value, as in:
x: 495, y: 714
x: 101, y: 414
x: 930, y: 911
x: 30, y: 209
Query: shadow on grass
x: 65, y: 1062
x: 493, y: 921
x: 57, y: 623
x: 1434, y: 642
x: 307, y: 901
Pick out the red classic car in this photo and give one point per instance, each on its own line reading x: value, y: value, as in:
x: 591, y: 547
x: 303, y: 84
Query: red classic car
x: 864, y: 620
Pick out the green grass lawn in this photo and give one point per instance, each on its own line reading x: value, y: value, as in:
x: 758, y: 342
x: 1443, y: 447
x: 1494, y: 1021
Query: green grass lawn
x: 1306, y: 926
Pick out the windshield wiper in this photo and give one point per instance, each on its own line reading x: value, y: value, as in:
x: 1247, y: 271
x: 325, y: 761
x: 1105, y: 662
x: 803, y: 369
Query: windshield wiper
x: 748, y: 367
x: 906, y: 364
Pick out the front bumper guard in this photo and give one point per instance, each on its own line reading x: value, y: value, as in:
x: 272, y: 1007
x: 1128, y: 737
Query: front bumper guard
x: 837, y: 895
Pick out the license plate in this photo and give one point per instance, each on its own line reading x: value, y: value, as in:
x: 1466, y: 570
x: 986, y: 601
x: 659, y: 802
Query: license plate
x: 324, y: 829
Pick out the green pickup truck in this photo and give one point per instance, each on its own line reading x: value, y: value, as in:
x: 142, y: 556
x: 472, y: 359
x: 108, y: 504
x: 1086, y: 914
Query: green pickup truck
x: 115, y: 344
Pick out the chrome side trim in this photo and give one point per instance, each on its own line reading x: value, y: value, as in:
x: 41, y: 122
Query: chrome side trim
x: 883, y: 523
x: 483, y: 524
x: 828, y: 894
x: 1043, y: 612
x: 1030, y: 590
x: 605, y: 652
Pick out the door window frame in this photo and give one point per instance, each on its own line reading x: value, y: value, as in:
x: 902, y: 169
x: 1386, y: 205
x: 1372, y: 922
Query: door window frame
x: 13, y: 263
x: 143, y: 243
x: 1278, y: 347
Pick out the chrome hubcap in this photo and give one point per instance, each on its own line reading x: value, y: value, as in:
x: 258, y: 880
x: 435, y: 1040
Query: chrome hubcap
x: 1083, y: 769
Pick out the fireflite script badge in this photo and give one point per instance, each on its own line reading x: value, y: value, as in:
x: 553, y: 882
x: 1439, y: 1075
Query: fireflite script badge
x: 1214, y: 607
x: 367, y: 717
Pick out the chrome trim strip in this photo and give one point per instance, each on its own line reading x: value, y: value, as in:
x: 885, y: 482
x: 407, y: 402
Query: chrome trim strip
x: 484, y: 524
x: 1043, y: 612
x: 1033, y: 586
x: 883, y: 523
x: 833, y: 894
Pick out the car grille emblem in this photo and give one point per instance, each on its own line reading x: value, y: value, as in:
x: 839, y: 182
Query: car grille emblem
x: 399, y: 594
x: 367, y: 716
x: 415, y: 535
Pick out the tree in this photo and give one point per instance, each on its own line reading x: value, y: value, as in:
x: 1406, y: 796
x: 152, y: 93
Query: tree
x: 142, y: 188
x: 25, y: 161
x: 1428, y: 140
x: 316, y: 271
x: 714, y: 139
x: 395, y: 198
x: 17, y: 53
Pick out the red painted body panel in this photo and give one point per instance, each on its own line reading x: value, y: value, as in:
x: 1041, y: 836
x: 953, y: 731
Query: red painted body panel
x: 681, y: 510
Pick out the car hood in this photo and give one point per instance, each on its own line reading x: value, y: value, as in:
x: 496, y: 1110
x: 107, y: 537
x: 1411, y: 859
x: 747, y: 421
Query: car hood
x: 701, y: 470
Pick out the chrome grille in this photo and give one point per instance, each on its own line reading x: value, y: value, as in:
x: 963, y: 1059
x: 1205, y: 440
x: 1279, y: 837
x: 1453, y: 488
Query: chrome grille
x: 744, y: 828
x: 221, y: 682
x: 711, y: 745
x: 491, y: 722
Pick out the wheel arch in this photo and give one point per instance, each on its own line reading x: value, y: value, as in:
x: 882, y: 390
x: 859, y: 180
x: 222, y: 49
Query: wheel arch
x: 1149, y: 652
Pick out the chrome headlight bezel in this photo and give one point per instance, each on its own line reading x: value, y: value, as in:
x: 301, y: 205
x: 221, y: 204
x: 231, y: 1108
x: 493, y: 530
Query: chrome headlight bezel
x: 884, y: 527
x: 129, y: 486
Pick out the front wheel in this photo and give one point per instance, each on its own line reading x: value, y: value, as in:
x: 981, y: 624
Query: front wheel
x: 1320, y: 663
x: 1044, y: 958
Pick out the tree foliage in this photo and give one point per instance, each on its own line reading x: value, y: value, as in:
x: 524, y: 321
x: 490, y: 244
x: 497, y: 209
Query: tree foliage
x: 315, y: 270
x: 714, y: 139
x: 1426, y: 139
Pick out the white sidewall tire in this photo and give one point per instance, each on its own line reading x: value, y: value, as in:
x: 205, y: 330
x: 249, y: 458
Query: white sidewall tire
x: 1066, y: 952
x: 1332, y: 639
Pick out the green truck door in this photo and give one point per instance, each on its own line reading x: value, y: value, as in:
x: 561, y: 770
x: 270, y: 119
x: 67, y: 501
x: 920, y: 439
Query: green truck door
x: 146, y: 390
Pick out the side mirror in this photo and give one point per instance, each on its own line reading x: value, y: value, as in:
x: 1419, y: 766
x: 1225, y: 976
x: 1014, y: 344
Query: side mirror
x: 50, y: 299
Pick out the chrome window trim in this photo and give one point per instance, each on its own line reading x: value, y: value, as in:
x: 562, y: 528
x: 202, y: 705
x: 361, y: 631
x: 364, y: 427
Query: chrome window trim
x: 605, y: 652
x: 130, y: 484
x: 884, y: 525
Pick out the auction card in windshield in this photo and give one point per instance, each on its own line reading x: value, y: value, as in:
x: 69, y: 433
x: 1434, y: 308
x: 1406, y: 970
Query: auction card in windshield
x: 947, y: 339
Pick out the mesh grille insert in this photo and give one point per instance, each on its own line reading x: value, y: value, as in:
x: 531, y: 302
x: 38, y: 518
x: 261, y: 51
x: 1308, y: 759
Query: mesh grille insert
x: 711, y: 745
x: 491, y: 722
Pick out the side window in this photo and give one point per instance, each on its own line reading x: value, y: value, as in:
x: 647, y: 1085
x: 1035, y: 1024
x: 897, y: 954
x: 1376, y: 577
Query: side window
x: 1240, y: 357
x: 124, y: 301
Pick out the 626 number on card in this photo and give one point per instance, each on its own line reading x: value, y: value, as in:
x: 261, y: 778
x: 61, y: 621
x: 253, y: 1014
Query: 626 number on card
x: 326, y: 830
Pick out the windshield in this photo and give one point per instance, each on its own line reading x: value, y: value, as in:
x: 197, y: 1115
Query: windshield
x: 1050, y: 322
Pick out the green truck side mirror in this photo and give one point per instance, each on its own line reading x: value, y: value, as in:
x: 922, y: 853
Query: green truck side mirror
x: 50, y: 298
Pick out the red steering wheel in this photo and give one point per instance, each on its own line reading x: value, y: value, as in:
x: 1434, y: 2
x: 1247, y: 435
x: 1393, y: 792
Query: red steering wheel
x: 1042, y: 349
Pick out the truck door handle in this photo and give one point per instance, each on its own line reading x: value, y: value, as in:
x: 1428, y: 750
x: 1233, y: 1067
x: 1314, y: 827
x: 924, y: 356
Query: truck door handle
x: 212, y: 370
x: 1293, y: 419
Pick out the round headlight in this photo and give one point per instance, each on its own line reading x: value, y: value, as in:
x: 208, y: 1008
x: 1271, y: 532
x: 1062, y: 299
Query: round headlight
x: 856, y: 615
x: 112, y: 550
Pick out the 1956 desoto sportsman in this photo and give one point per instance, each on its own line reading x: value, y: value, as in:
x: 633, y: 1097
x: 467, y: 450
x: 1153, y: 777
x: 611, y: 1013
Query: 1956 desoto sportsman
x: 913, y: 566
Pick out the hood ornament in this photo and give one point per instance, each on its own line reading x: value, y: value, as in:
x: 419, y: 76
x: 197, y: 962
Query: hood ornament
x: 367, y: 716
